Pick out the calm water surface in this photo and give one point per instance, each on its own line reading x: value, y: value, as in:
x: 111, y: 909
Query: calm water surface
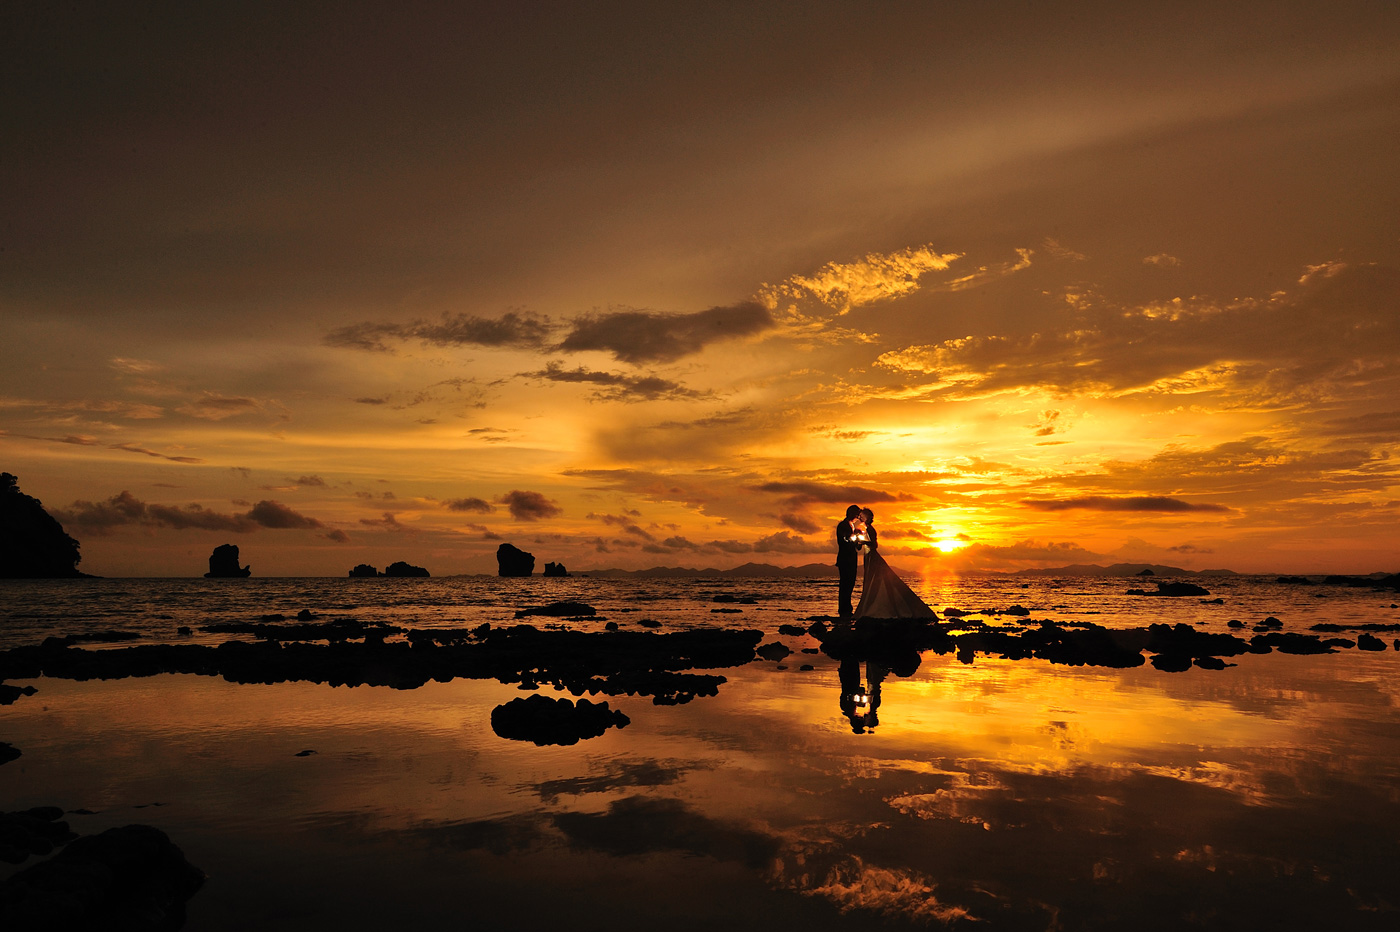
x: 992, y: 795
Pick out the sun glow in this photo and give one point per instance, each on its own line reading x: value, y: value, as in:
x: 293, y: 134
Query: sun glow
x: 949, y: 544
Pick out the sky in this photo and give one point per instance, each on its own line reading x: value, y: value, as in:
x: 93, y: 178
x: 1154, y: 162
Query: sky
x: 629, y: 285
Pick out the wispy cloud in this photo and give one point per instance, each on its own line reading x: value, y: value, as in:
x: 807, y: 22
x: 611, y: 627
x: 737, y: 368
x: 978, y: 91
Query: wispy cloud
x: 617, y: 386
x: 1157, y: 503
x: 843, y: 286
x: 522, y: 331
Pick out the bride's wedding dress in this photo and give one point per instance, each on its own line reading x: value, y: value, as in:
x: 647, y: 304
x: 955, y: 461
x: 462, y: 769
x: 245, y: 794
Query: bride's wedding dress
x: 884, y: 595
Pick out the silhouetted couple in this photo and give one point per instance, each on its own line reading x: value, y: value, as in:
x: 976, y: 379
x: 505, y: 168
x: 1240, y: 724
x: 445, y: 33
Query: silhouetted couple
x: 882, y: 593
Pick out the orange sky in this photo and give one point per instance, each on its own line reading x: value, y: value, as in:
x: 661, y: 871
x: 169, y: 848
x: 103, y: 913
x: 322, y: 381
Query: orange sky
x: 1047, y: 284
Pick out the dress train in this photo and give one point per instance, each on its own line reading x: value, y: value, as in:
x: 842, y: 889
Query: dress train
x: 884, y: 595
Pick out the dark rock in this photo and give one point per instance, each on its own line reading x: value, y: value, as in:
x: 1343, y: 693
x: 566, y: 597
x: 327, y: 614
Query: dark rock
x: 1173, y: 589
x: 795, y: 631
x: 559, y: 610
x: 305, y: 614
x: 1147, y: 572
x: 1369, y: 642
x: 363, y: 570
x: 1211, y: 663
x: 126, y: 878
x: 773, y: 651
x: 8, y: 693
x: 306, y: 753
x: 1019, y: 611
x: 1235, y: 623
x: 649, y: 623
x: 512, y: 561
x: 806, y: 667
x: 184, y: 631
x: 1293, y: 643
x: 400, y: 568
x: 547, y: 721
x: 1269, y: 624
x: 33, y: 544
x: 223, y: 564
x: 1212, y: 601
x: 8, y: 752
x: 1172, y: 663
x: 32, y: 832
x: 610, y: 626
x: 555, y: 569
x: 1296, y: 581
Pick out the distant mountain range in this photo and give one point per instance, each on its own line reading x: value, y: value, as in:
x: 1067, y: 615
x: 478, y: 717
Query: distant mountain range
x: 1122, y: 569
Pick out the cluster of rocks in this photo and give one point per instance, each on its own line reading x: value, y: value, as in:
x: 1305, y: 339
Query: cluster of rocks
x: 399, y: 568
x: 608, y: 662
x: 1174, y: 647
x: 512, y: 561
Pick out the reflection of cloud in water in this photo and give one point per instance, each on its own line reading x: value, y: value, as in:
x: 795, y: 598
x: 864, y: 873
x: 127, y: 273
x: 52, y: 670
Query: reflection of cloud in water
x: 623, y: 773
x: 853, y: 884
x: 642, y: 825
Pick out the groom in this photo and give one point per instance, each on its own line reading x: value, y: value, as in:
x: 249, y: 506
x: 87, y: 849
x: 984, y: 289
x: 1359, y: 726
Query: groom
x: 846, y: 559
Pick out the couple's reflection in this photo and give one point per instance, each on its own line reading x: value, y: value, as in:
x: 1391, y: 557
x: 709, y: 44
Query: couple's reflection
x: 860, y: 702
x: 883, y: 653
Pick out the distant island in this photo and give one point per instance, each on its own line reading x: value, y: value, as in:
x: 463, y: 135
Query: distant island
x: 808, y: 570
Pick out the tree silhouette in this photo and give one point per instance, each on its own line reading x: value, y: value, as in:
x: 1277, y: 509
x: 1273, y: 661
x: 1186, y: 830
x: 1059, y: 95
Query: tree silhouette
x: 33, y: 544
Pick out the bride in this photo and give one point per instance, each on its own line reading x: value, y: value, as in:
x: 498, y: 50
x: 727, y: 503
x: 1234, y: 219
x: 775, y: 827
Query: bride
x: 882, y: 593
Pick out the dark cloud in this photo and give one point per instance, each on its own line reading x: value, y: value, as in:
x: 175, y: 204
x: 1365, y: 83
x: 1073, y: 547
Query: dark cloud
x: 1132, y: 503
x: 806, y: 492
x: 479, y: 505
x: 617, y: 386
x: 132, y: 448
x: 388, y: 521
x: 529, y: 506
x: 315, y: 481
x: 277, y: 515
x: 126, y: 509
x: 485, y: 532
x: 800, y: 523
x: 371, y: 401
x: 337, y: 535
x: 784, y: 542
x: 626, y: 523
x: 644, y: 336
x: 1021, y: 553
x: 520, y: 331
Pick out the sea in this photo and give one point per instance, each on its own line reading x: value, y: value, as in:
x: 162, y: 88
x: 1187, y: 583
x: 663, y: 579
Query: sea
x: 975, y: 791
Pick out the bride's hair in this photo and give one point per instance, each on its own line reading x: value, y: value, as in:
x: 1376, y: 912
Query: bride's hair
x: 868, y: 515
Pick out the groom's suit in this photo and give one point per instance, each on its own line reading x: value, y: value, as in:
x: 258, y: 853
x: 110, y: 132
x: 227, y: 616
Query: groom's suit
x: 846, y: 563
